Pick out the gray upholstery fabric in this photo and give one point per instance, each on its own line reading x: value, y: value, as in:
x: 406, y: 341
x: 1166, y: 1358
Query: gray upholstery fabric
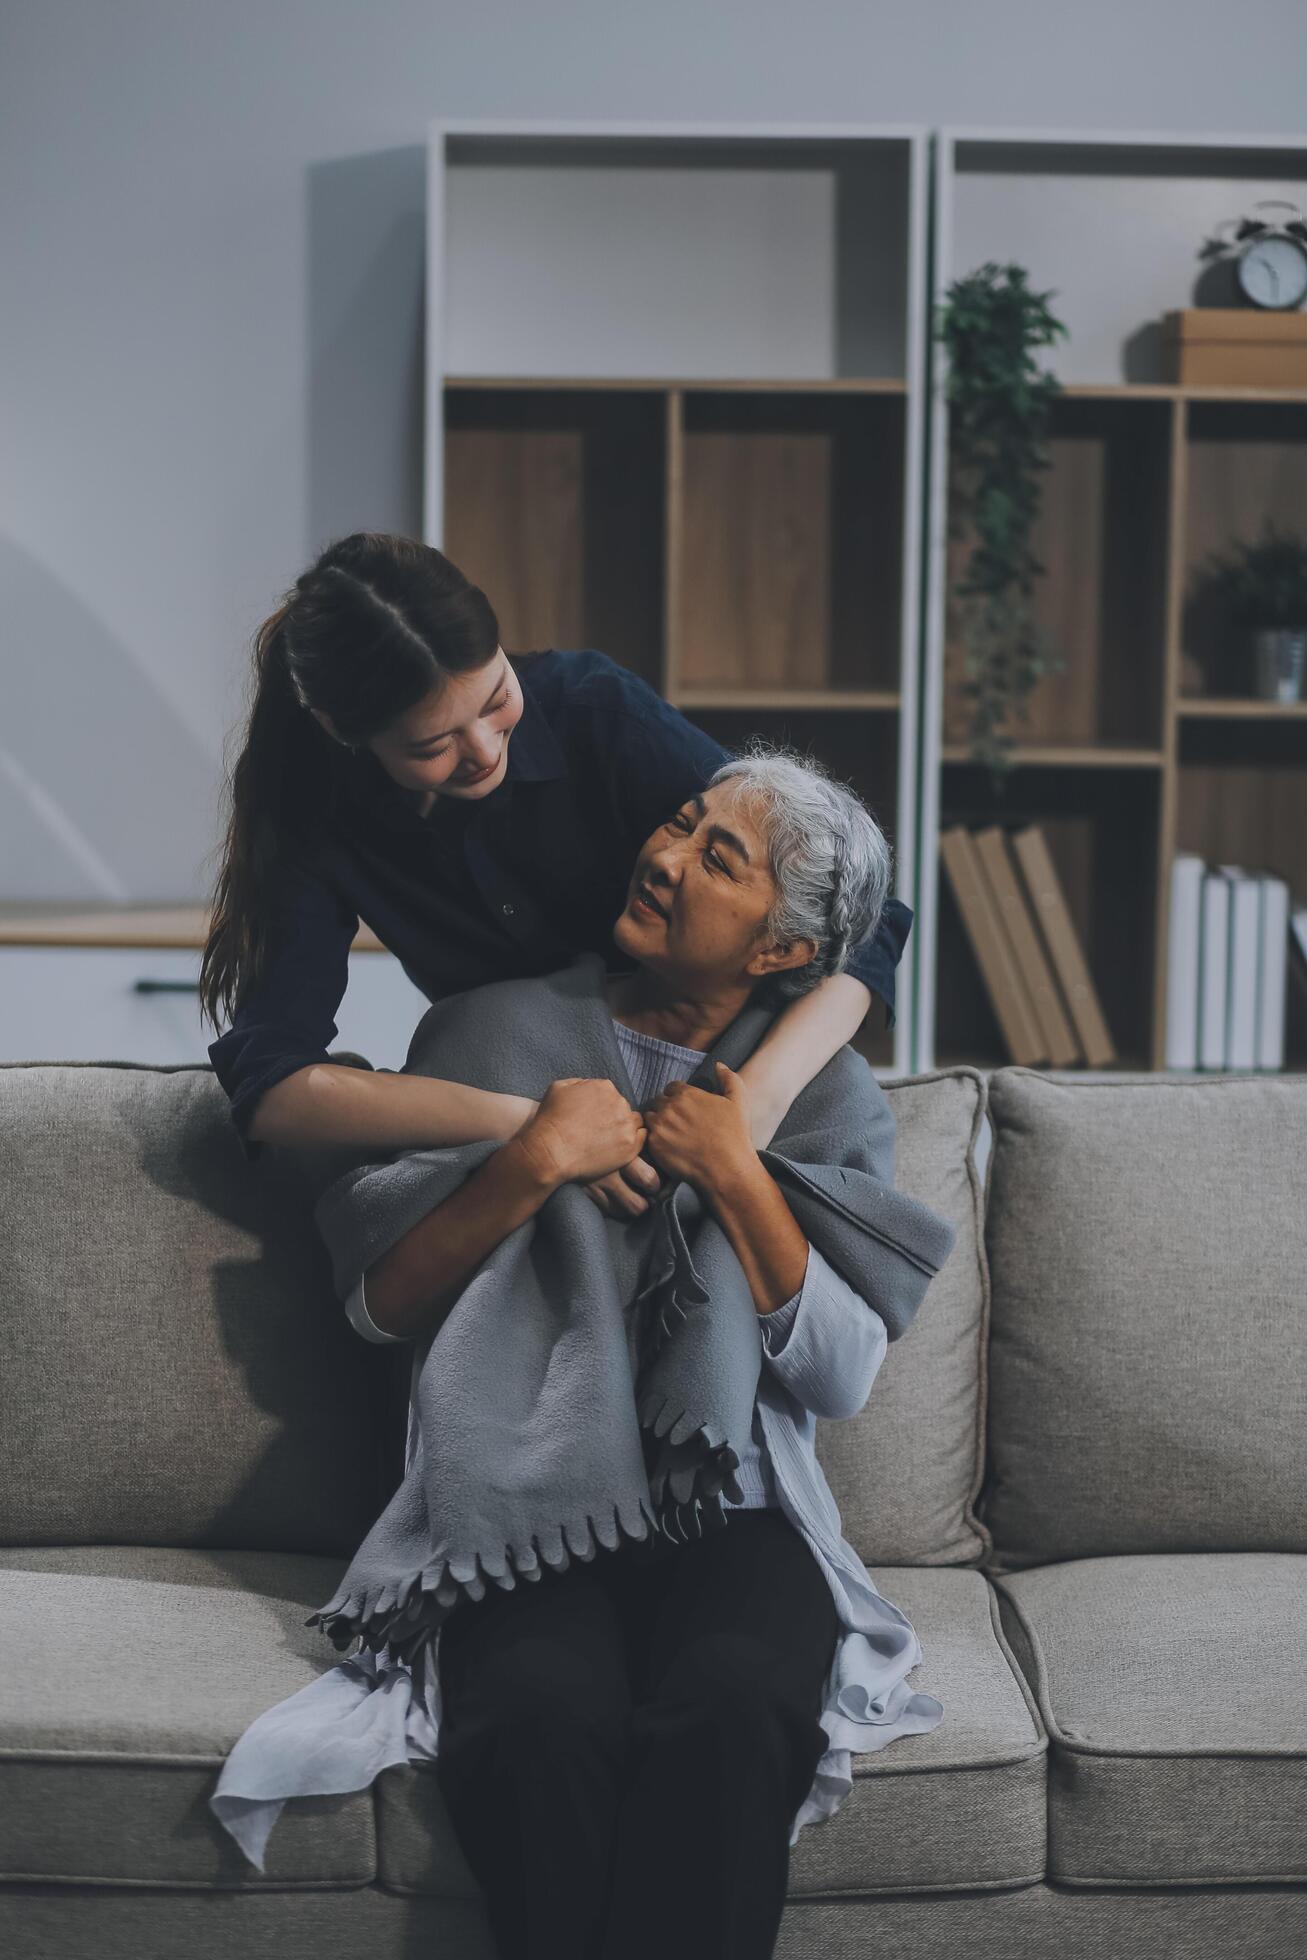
x: 177, y: 1369
x: 1031, y: 1922
x: 963, y: 1806
x: 1148, y: 1350
x: 1146, y: 1261
x: 906, y: 1471
x: 130, y: 1671
x: 1174, y: 1691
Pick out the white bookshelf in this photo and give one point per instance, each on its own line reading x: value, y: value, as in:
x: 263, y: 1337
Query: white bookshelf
x: 1129, y: 756
x: 675, y: 409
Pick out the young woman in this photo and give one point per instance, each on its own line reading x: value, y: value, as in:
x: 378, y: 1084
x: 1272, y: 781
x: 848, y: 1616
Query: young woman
x: 480, y: 811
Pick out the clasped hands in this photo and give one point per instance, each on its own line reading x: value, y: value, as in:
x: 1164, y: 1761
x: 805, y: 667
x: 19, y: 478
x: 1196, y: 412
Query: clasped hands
x: 584, y: 1126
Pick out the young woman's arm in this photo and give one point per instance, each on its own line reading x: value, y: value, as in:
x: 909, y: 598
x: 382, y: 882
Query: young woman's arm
x: 411, y: 1288
x: 331, y: 1103
x: 798, y: 1045
x: 274, y: 1064
x: 582, y: 1127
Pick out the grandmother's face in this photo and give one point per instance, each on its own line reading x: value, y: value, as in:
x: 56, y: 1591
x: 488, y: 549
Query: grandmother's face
x: 707, y: 872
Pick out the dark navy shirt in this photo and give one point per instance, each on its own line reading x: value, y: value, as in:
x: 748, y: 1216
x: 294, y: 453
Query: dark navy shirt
x: 511, y: 885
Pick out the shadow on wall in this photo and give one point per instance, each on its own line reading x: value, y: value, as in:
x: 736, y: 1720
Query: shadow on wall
x: 99, y: 778
x: 98, y: 775
x: 365, y: 333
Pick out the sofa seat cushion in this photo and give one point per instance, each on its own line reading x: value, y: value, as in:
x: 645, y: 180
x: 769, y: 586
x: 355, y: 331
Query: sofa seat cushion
x: 961, y: 1807
x: 130, y: 1672
x: 1174, y: 1691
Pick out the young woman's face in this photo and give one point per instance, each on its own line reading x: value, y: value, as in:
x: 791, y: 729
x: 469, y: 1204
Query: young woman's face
x: 441, y: 743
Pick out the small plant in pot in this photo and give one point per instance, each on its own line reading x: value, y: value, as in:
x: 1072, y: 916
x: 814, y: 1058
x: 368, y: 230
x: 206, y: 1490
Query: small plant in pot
x: 1259, y: 590
x: 999, y: 403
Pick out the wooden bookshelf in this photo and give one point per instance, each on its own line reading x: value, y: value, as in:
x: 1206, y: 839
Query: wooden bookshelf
x: 1151, y: 742
x: 675, y: 411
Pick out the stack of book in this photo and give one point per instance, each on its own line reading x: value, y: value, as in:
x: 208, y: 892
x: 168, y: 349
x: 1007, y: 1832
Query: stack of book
x: 1234, y: 937
x: 1015, y: 914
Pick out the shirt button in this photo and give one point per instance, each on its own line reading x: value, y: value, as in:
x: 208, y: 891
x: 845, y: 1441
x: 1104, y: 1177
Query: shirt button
x: 508, y: 911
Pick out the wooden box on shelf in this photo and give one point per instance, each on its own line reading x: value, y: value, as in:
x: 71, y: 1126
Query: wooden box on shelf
x: 1236, y: 347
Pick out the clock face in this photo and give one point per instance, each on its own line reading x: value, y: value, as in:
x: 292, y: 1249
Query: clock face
x: 1273, y: 272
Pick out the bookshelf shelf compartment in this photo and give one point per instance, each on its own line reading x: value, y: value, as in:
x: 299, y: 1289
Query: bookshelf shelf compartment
x: 555, y: 502
x: 1098, y: 826
x: 1247, y: 463
x: 791, y: 542
x: 1241, y: 796
x: 1101, y: 537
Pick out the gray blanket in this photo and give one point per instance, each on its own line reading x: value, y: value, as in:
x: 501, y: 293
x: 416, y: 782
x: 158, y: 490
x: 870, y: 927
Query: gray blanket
x: 596, y: 1376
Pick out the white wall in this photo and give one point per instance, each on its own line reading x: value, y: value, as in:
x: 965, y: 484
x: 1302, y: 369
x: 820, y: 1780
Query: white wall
x: 210, y: 306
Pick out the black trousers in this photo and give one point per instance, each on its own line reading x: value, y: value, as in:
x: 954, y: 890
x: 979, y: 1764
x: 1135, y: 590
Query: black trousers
x: 623, y: 1746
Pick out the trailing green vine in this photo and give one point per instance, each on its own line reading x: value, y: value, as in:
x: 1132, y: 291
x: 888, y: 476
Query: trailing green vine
x: 999, y: 402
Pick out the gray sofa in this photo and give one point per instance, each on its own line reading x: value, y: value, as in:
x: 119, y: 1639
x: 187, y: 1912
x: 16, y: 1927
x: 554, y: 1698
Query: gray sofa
x: 1083, y: 1475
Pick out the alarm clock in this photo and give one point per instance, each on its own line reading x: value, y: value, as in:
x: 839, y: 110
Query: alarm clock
x: 1271, y: 268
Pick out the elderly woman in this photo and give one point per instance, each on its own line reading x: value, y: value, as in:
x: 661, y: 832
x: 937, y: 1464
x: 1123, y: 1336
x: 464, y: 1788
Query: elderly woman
x: 611, y: 1600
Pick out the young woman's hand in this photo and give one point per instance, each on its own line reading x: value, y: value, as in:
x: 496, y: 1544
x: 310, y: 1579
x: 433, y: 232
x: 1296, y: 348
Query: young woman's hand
x: 584, y: 1129
x: 628, y: 1192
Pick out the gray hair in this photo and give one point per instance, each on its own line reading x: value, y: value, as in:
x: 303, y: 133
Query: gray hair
x: 829, y: 857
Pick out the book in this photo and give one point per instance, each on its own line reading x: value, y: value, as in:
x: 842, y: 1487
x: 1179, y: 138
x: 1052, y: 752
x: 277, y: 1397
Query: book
x: 1213, y: 970
x: 1012, y: 906
x: 1274, y: 970
x: 1243, y: 947
x: 1184, y: 919
x: 1052, y: 915
x: 989, y: 942
x: 1298, y: 942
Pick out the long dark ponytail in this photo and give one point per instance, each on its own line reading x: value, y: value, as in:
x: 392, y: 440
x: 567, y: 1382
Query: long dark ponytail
x: 372, y: 627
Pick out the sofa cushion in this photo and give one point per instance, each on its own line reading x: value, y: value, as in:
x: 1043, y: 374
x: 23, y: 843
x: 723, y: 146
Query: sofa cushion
x: 962, y: 1806
x: 178, y: 1369
x: 905, y: 1471
x: 1148, y: 1346
x: 1174, y: 1693
x: 131, y: 1671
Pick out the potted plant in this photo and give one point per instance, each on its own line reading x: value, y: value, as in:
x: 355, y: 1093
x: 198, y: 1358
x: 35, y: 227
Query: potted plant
x: 999, y: 404
x: 1260, y: 588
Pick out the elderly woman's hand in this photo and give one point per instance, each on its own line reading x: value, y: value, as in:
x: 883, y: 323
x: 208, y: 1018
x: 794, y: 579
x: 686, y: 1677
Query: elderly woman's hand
x: 698, y: 1135
x: 692, y: 1134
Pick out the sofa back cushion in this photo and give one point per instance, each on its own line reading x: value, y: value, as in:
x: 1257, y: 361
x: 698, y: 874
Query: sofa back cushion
x: 1148, y: 1348
x: 906, y: 1470
x: 177, y: 1368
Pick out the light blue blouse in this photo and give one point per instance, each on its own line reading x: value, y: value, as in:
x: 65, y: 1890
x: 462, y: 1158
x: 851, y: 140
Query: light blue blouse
x: 823, y: 1349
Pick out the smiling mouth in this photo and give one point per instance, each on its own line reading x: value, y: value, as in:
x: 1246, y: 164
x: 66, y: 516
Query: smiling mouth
x: 644, y: 899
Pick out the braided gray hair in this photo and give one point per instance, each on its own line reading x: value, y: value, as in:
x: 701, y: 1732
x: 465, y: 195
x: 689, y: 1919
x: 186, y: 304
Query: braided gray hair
x: 830, y: 860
